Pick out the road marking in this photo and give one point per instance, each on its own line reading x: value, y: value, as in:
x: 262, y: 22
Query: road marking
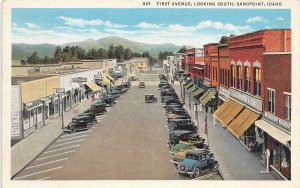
x: 72, y: 134
x: 44, y: 178
x: 40, y: 172
x: 203, y: 177
x: 55, y: 155
x: 66, y: 143
x: 62, y: 148
x: 61, y: 140
x: 58, y: 160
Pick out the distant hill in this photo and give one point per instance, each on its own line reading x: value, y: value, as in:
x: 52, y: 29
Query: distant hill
x: 22, y: 51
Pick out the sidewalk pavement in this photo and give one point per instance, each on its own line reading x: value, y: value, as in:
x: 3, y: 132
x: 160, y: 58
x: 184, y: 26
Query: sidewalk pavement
x: 235, y: 161
x: 27, y: 149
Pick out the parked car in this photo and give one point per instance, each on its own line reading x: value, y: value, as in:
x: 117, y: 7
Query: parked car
x: 142, y: 85
x: 133, y: 78
x: 183, y: 135
x: 150, y: 98
x: 126, y: 84
x: 197, y: 162
x: 79, y: 123
x: 92, y: 115
x: 182, y: 124
x: 98, y: 108
x: 183, y: 145
x: 175, y: 116
x: 109, y: 101
x: 182, y: 112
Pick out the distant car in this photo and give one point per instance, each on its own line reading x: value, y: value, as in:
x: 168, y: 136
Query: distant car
x: 142, y: 85
x: 98, y: 108
x: 197, y: 162
x: 92, y: 115
x: 79, y: 123
x: 126, y: 84
x: 150, y: 98
x: 182, y: 124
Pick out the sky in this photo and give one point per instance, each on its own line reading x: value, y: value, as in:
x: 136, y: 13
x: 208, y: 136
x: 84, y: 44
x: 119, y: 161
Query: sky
x: 193, y: 27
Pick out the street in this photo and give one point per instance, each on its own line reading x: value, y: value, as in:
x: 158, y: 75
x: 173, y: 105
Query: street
x: 129, y: 143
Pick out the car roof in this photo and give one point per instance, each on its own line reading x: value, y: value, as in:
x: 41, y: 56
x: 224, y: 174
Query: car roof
x: 86, y: 113
x: 179, y: 132
x: 81, y: 117
x: 197, y: 151
x: 180, y: 119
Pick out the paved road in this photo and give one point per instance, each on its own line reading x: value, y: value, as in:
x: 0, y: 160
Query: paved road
x: 129, y: 143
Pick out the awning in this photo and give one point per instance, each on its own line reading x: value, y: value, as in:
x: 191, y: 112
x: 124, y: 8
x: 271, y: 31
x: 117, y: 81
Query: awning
x: 222, y: 108
x: 228, y: 112
x: 191, y: 89
x: 93, y: 86
x: 188, y: 85
x: 274, y: 132
x: 242, y: 122
x: 207, y: 97
x: 197, y: 92
x: 105, y: 80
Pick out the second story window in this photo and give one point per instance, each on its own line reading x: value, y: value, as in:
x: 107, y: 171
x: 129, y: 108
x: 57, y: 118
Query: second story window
x: 271, y: 100
x: 247, y: 79
x: 233, y: 76
x: 287, y: 106
x: 257, y: 81
x: 239, y: 80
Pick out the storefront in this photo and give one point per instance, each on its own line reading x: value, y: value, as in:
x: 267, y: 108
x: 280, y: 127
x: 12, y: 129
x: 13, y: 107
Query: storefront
x: 96, y: 91
x: 277, y: 144
x: 223, y: 95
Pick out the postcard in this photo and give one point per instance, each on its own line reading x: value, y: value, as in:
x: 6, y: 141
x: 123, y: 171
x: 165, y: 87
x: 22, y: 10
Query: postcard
x: 140, y: 91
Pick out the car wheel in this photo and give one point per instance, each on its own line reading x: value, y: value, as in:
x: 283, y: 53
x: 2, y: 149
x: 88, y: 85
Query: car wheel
x: 215, y: 167
x: 182, y: 168
x: 73, y: 130
x: 196, y: 172
x: 172, y: 143
x: 89, y: 126
x: 94, y: 123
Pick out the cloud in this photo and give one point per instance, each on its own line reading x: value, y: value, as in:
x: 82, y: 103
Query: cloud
x: 32, y: 26
x: 14, y: 24
x: 280, y: 18
x: 79, y: 22
x: 257, y: 19
x: 145, y: 25
x: 268, y: 27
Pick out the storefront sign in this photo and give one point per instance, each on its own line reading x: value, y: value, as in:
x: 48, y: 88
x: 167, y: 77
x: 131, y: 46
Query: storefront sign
x: 246, y: 98
x: 15, y: 114
x: 98, y: 77
x: 277, y: 120
x: 224, y: 91
x: 206, y: 81
x: 79, y: 79
x: 199, y: 52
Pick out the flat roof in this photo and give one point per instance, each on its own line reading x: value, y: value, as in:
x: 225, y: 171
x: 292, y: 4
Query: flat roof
x: 16, y: 79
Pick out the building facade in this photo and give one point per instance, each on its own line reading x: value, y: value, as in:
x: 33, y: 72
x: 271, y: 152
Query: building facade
x: 210, y: 61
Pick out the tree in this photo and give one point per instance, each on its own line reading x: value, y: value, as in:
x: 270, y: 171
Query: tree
x: 164, y: 55
x: 92, y: 54
x: 23, y: 62
x: 102, y: 53
x: 182, y: 50
x: 128, y: 54
x: 224, y: 40
x: 58, y: 54
x: 34, y: 58
x: 111, y: 52
x: 119, y: 53
x: 46, y: 60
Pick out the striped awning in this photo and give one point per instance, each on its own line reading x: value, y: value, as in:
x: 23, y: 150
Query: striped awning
x: 197, y: 92
x: 192, y: 89
x: 207, y: 97
x: 188, y: 85
x: 93, y: 86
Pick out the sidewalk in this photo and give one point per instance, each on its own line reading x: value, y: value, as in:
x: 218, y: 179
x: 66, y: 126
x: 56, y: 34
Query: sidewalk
x: 235, y: 161
x: 28, y: 148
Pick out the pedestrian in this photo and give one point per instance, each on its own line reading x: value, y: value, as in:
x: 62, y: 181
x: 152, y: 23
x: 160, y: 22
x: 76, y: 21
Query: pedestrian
x: 200, y: 107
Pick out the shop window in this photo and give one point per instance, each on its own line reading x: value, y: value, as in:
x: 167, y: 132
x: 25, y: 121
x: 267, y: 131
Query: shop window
x: 239, y: 74
x: 233, y: 76
x: 287, y: 106
x: 281, y: 159
x: 247, y: 79
x: 271, y: 100
x: 257, y: 81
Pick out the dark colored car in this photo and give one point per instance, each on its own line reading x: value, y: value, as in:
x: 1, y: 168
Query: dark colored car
x: 142, y: 85
x: 98, y: 108
x: 197, y: 162
x: 126, y: 84
x: 183, y: 135
x: 92, y: 115
x: 174, y: 116
x: 178, y: 112
x: 79, y: 123
x: 150, y: 98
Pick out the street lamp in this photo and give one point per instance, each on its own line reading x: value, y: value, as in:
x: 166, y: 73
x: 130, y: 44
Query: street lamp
x: 61, y: 91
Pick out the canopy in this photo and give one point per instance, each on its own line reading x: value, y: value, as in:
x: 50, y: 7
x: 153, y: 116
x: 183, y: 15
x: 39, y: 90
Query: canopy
x: 93, y: 86
x: 197, y: 92
x: 188, y: 85
x: 192, y: 89
x: 228, y: 112
x: 209, y: 94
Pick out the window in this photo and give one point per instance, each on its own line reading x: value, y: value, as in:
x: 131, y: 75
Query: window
x: 287, y: 106
x: 257, y: 80
x: 271, y: 100
x: 247, y: 79
x: 239, y: 74
x: 232, y: 76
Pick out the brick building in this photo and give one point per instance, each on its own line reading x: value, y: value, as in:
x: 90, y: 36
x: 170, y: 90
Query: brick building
x: 224, y: 72
x: 255, y: 91
x: 210, y: 64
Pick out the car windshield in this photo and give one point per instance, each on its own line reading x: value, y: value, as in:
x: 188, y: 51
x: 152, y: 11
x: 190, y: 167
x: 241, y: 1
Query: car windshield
x: 192, y: 156
x: 75, y: 120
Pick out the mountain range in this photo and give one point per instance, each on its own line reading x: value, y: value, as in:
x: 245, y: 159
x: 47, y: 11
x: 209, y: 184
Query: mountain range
x: 22, y: 51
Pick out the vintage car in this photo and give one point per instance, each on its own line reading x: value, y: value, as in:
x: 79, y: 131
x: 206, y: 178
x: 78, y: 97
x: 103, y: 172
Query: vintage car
x: 183, y: 145
x: 182, y: 124
x: 150, y: 98
x: 79, y: 123
x: 183, y: 135
x: 133, y: 78
x: 142, y: 85
x: 108, y: 100
x: 175, y: 116
x: 92, y: 115
x: 197, y: 162
x: 126, y: 84
x: 98, y: 108
x: 182, y: 112
x: 120, y: 89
